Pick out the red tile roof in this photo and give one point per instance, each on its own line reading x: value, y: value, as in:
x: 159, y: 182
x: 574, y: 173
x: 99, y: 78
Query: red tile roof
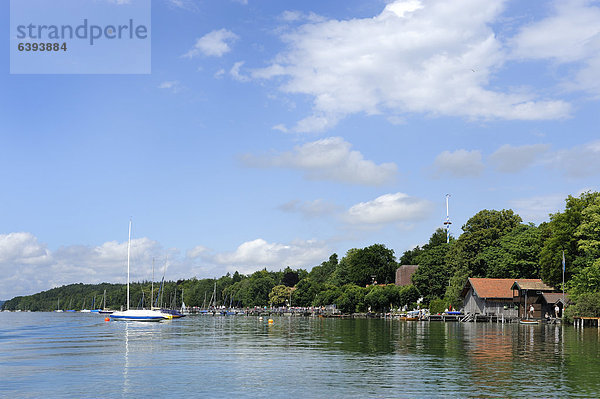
x: 497, y: 287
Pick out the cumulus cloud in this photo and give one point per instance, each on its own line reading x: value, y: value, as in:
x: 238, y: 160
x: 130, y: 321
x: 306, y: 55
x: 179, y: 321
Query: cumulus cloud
x: 27, y: 266
x: 460, y: 163
x: 398, y: 207
x: 197, y: 251
x: 579, y: 161
x: 511, y: 159
x: 570, y: 35
x: 309, y: 209
x: 328, y: 159
x: 215, y: 44
x: 537, y: 209
x: 414, y: 57
x: 22, y: 248
x: 257, y: 254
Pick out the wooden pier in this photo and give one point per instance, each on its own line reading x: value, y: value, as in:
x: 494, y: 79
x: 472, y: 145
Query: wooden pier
x: 580, y: 322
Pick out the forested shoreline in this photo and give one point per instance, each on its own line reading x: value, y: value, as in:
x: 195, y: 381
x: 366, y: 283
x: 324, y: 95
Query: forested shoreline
x: 494, y: 244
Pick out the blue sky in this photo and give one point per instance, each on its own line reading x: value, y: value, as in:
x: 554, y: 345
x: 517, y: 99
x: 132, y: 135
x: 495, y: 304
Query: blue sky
x: 275, y: 133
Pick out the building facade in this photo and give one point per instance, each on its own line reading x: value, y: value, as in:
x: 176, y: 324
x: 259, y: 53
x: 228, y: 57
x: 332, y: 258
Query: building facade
x: 404, y: 274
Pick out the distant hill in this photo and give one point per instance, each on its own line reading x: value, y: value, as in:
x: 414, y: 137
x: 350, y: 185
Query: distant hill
x: 1, y: 303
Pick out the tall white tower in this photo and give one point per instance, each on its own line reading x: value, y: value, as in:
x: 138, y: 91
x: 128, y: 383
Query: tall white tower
x: 447, y: 223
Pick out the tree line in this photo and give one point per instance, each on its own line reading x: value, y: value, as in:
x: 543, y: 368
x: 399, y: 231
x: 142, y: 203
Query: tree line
x: 494, y: 244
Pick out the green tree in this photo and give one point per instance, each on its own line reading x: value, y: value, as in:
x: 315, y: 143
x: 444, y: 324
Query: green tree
x: 321, y: 274
x: 588, y: 231
x: 279, y: 295
x: 290, y: 277
x: 409, y: 257
x: 433, y: 274
x: 408, y: 295
x: 586, y: 281
x: 562, y: 234
x: 361, y: 266
x: 516, y: 255
x: 467, y: 258
x: 351, y: 299
x: 305, y: 293
x: 328, y: 296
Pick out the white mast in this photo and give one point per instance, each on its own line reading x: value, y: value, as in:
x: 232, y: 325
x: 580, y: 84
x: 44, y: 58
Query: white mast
x: 128, y: 254
x: 152, y: 289
x: 447, y: 223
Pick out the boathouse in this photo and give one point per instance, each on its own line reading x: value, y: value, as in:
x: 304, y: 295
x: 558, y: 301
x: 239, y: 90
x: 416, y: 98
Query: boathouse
x: 552, y: 299
x: 489, y: 296
x: 530, y: 293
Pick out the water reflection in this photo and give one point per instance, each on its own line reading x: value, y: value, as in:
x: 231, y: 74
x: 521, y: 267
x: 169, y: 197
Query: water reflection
x: 207, y: 356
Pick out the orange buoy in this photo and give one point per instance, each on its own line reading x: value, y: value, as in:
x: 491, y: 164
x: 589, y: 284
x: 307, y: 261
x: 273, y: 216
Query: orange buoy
x: 107, y: 319
x: 270, y: 321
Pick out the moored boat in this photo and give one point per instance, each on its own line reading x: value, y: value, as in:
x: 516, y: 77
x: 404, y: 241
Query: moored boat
x: 527, y: 321
x: 135, y: 314
x: 138, y: 315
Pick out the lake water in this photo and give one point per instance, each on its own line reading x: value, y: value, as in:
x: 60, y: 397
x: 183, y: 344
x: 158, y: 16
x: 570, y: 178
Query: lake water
x: 81, y: 355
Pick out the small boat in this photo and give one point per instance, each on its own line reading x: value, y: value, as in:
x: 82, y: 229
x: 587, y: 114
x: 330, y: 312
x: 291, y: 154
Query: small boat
x: 138, y: 315
x: 83, y: 309
x: 58, y: 309
x: 169, y: 313
x: 527, y: 321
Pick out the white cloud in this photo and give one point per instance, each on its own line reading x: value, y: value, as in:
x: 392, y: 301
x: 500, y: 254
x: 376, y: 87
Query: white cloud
x: 22, y: 248
x: 184, y: 4
x: 511, y: 159
x: 28, y: 266
x: 460, y: 163
x: 219, y: 74
x: 257, y: 254
x: 570, y: 35
x: 309, y: 209
x: 579, y: 161
x: 235, y: 72
x: 536, y: 209
x: 196, y: 252
x: 328, y: 159
x: 296, y: 16
x: 398, y: 207
x: 172, y: 85
x: 280, y: 127
x: 414, y: 57
x: 215, y: 43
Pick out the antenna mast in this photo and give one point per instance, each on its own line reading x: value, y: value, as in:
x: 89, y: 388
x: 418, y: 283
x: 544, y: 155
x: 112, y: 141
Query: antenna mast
x: 447, y: 223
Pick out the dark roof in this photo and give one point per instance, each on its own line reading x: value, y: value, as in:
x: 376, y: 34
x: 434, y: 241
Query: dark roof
x: 531, y: 284
x: 500, y: 288
x: 555, y: 297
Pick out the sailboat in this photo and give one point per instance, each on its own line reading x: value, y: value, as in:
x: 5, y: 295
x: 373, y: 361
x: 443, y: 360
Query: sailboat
x: 58, y: 309
x: 135, y: 314
x: 93, y: 309
x: 83, y: 309
x: 104, y: 310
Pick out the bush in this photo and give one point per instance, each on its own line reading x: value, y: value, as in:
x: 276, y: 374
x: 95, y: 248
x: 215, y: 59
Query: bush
x: 588, y: 305
x: 437, y: 306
